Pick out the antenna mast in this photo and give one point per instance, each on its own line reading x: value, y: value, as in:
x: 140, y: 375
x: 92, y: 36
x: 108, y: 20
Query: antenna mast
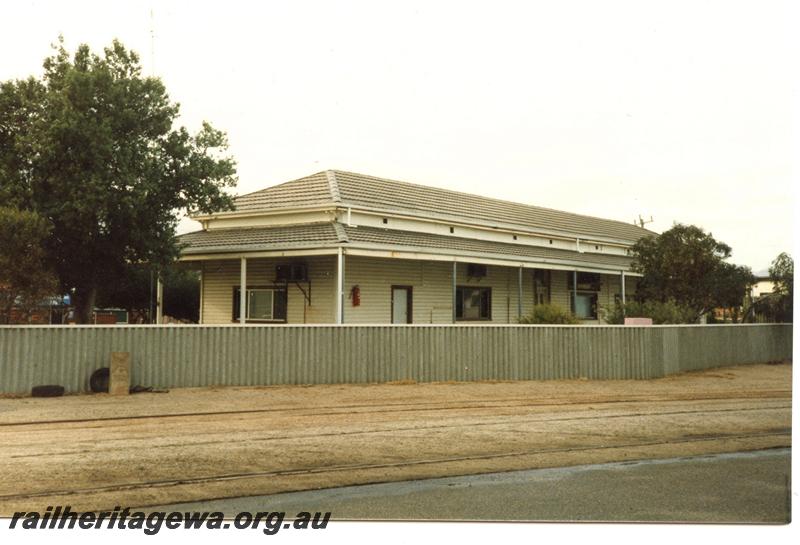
x: 641, y: 222
x: 152, y: 44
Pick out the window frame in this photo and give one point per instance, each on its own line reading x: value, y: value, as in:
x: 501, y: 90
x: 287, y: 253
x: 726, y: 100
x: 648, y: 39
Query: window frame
x: 484, y: 289
x: 274, y: 288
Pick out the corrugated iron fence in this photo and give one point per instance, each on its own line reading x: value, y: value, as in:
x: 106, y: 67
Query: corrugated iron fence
x: 185, y: 356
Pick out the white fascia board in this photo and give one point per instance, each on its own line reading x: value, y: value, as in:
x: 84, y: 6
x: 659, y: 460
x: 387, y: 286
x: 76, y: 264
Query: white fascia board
x: 495, y: 227
x: 256, y: 213
x: 223, y: 255
x: 274, y: 220
x: 422, y: 255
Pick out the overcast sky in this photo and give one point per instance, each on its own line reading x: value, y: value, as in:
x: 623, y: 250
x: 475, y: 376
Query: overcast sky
x: 677, y: 110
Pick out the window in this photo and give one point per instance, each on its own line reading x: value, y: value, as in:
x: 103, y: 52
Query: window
x: 264, y: 304
x: 473, y: 303
x: 586, y: 281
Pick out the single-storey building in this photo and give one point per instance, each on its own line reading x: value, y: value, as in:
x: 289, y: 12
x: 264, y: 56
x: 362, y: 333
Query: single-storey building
x: 340, y: 247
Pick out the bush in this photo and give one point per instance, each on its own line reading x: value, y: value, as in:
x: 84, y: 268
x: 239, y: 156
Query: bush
x: 669, y: 312
x: 549, y: 314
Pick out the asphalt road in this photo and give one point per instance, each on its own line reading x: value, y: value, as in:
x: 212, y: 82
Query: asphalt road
x: 752, y: 487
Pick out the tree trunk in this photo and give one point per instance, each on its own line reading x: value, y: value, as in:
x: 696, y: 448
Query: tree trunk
x: 84, y: 304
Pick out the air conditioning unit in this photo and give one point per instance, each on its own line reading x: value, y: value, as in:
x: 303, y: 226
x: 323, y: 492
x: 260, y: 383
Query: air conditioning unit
x: 299, y: 272
x: 476, y: 271
x: 291, y: 272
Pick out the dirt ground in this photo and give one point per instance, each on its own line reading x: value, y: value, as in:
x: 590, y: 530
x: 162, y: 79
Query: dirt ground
x: 94, y: 452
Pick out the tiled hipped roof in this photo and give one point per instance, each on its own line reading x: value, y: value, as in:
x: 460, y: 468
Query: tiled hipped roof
x: 339, y: 188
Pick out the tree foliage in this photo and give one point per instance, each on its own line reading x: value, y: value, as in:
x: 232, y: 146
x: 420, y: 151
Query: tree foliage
x: 781, y: 272
x: 132, y: 290
x: 667, y: 312
x: 182, y: 295
x: 686, y: 265
x: 25, y: 279
x: 92, y: 147
x: 780, y: 304
x: 136, y: 291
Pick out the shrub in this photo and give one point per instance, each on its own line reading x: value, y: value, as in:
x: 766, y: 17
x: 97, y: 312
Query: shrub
x: 549, y: 314
x: 668, y: 312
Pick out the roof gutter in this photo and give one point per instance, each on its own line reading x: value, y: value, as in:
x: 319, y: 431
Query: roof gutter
x: 255, y: 214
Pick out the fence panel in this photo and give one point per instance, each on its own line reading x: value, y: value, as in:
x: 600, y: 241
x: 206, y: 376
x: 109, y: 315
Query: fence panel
x: 173, y: 356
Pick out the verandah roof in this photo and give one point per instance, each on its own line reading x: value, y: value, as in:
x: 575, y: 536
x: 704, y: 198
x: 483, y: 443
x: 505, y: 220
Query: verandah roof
x: 333, y: 235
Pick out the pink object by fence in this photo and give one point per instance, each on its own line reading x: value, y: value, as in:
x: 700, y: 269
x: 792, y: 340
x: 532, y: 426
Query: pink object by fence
x: 638, y: 321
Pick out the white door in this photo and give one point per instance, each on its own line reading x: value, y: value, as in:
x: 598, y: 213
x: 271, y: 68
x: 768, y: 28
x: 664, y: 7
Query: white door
x: 401, y: 305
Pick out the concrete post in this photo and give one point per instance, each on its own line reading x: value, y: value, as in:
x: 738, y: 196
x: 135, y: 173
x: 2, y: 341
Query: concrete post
x: 119, y: 376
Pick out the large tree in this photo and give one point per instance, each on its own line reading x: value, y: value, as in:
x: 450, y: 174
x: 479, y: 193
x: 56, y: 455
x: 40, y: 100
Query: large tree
x: 687, y: 265
x: 93, y: 147
x: 25, y: 279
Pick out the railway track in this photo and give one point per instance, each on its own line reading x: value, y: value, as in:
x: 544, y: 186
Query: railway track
x: 428, y: 406
x: 430, y: 427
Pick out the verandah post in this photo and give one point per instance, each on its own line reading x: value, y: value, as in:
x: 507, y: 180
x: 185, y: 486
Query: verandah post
x: 243, y: 292
x: 455, y: 291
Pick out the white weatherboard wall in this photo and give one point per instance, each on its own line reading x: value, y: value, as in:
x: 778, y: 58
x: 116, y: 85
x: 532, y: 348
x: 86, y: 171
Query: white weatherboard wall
x: 431, y: 283
x: 222, y: 276
x: 432, y: 289
x: 232, y: 355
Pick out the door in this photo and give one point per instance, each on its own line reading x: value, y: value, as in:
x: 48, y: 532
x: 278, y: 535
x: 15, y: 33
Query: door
x: 401, y: 304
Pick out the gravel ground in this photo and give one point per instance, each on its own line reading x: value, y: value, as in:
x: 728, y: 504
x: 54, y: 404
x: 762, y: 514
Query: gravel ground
x: 96, y: 452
